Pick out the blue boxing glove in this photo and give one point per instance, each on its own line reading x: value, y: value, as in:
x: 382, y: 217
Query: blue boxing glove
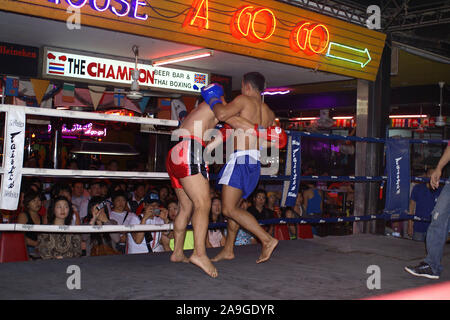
x: 212, y: 94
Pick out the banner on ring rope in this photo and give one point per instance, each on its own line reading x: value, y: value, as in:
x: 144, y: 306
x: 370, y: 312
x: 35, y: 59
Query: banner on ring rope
x: 295, y: 171
x: 399, y: 176
x: 13, y: 159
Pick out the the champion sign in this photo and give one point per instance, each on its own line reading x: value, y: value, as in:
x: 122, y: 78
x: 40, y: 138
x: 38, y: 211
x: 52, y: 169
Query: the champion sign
x: 77, y: 67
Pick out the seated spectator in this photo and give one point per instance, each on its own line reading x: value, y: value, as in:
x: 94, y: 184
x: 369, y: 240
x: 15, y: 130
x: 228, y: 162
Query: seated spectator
x: 100, y: 244
x: 64, y: 190
x: 32, y: 204
x: 94, y: 191
x: 259, y: 211
x: 59, y: 245
x: 120, y: 214
x: 164, y: 195
x: 312, y: 199
x: 73, y: 165
x: 172, y: 212
x: 272, y: 204
x: 169, y: 215
x: 289, y: 213
x: 137, y: 197
x: 113, y: 165
x: 244, y: 237
x: 145, y: 242
x: 78, y: 195
x: 298, y: 208
x: 103, y: 189
x: 422, y: 202
x: 215, y: 237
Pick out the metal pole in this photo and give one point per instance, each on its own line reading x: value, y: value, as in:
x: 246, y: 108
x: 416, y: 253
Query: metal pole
x: 56, y: 130
x: 362, y: 121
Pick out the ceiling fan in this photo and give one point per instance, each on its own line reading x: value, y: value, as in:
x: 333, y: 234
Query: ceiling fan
x: 135, y: 94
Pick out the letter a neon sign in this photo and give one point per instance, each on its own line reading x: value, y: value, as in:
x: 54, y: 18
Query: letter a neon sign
x: 198, y: 15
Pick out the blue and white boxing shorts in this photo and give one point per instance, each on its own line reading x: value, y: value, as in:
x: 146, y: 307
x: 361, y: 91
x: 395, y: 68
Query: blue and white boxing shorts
x: 242, y: 171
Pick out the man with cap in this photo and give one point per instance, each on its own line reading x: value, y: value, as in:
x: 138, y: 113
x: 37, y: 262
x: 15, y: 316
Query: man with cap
x: 145, y: 242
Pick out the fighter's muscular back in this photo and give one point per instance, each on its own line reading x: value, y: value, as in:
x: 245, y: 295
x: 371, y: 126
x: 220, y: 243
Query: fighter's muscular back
x: 198, y: 121
x: 255, y: 111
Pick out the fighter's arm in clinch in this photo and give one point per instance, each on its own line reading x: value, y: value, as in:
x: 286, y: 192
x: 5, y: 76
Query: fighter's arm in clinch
x: 223, y: 111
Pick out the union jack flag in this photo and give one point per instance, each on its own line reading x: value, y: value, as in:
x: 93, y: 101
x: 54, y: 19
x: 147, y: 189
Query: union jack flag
x: 200, y: 78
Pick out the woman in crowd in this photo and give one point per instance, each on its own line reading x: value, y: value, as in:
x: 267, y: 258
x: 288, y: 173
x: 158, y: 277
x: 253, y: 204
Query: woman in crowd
x: 59, y: 245
x: 215, y: 237
x: 99, y: 244
x: 31, y: 204
x: 64, y: 190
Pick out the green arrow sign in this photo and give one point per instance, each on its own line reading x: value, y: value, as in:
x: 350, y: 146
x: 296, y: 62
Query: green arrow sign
x: 350, y: 54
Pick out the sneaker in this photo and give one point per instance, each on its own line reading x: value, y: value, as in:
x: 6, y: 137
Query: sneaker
x: 422, y: 270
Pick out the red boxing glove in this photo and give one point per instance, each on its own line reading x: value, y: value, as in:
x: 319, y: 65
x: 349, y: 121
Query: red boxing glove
x: 273, y: 134
x: 226, y: 130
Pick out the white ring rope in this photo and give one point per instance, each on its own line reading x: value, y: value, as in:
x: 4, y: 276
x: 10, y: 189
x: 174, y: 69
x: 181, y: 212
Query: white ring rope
x: 88, y: 115
x: 84, y: 228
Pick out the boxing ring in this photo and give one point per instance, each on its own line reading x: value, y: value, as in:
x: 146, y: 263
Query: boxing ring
x: 322, y: 268
x: 318, y: 268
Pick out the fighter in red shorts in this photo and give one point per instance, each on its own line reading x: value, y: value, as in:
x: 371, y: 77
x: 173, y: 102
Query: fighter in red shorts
x: 189, y: 176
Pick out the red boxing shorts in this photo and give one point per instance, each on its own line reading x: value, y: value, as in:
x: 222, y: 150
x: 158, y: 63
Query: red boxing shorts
x: 186, y: 159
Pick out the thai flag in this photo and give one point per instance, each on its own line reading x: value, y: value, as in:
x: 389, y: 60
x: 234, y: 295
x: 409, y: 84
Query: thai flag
x: 56, y: 68
x: 200, y: 78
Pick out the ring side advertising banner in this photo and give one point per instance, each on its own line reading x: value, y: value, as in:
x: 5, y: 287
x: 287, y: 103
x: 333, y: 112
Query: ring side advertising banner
x: 74, y: 66
x: 12, y: 165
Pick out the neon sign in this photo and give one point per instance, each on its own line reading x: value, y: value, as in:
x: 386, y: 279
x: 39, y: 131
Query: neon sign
x: 252, y: 23
x: 342, y: 52
x: 195, y: 13
x: 307, y: 37
x: 86, y: 130
x: 126, y: 8
x: 301, y: 38
x: 243, y: 23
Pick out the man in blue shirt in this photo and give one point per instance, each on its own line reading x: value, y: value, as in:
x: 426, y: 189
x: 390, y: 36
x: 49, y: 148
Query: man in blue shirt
x: 422, y: 202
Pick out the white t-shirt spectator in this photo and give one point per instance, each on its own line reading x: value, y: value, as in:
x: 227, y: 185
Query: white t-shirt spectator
x: 122, y: 218
x: 155, y: 244
x: 77, y: 201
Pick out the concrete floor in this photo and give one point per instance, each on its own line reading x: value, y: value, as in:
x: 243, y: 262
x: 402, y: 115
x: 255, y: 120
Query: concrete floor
x: 322, y: 268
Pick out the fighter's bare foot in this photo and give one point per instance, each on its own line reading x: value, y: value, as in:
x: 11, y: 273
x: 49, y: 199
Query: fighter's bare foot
x: 223, y: 255
x: 175, y: 257
x: 267, y: 250
x: 205, y: 264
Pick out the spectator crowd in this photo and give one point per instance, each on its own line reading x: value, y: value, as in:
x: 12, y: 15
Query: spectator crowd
x: 100, y: 202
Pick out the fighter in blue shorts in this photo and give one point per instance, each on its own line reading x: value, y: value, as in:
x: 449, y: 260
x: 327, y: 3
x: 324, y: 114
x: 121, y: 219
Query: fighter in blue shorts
x: 240, y: 175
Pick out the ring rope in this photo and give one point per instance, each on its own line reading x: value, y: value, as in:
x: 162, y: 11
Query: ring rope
x: 361, y: 139
x: 165, y: 227
x: 338, y: 178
